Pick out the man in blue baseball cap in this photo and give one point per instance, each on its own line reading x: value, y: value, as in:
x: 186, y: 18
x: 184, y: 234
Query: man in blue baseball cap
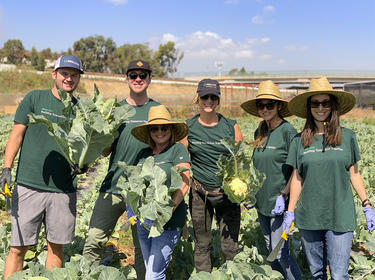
x: 45, y: 189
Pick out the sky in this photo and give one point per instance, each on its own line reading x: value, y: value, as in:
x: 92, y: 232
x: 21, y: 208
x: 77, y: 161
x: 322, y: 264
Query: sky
x: 260, y: 35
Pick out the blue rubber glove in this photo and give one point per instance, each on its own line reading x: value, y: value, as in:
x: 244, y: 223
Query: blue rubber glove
x: 279, y: 206
x: 147, y: 223
x: 370, y: 218
x: 131, y: 217
x: 288, y: 220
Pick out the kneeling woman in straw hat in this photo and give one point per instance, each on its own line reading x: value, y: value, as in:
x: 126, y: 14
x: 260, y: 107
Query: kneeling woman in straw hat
x: 325, y: 160
x: 206, y: 197
x: 272, y: 141
x: 161, y: 133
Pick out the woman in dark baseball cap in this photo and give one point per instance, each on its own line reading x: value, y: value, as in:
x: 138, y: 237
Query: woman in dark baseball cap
x: 206, y: 197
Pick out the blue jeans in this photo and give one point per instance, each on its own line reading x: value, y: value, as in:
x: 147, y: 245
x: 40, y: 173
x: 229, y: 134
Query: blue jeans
x: 157, y: 251
x: 285, y: 263
x: 324, y: 247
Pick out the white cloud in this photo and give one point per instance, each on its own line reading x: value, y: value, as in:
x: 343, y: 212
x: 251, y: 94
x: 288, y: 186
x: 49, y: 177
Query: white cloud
x: 269, y: 8
x: 257, y: 41
x: 257, y: 20
x: 281, y: 61
x: 169, y: 37
x: 117, y: 2
x: 265, y: 17
x: 210, y: 45
x: 295, y: 48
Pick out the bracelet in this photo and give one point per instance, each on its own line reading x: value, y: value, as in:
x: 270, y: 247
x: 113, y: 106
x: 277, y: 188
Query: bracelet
x: 366, y: 202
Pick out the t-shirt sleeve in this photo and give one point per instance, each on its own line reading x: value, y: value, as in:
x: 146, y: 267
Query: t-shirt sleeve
x: 354, y: 148
x: 180, y: 154
x: 24, y: 108
x: 292, y: 159
x: 290, y: 133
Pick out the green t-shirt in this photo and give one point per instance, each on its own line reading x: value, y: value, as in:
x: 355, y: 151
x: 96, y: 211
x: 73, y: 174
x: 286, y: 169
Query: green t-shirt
x: 205, y: 148
x: 126, y: 147
x: 326, y: 200
x: 270, y: 159
x: 40, y: 164
x: 166, y: 160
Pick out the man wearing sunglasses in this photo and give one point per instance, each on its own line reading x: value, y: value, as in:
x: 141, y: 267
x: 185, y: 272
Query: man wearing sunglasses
x: 109, y: 205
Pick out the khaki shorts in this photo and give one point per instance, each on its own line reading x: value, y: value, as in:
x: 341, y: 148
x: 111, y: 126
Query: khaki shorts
x: 32, y: 207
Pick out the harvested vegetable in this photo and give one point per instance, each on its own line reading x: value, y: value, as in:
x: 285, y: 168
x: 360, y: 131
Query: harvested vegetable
x: 241, y: 180
x: 89, y: 126
x: 143, y: 189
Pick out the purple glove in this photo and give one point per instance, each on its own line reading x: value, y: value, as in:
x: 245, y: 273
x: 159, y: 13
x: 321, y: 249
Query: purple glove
x: 131, y: 217
x: 147, y: 223
x: 288, y: 220
x: 279, y: 206
x: 370, y: 218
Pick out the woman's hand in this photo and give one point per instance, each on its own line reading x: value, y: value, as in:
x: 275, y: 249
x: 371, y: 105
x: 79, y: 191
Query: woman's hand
x: 279, y: 206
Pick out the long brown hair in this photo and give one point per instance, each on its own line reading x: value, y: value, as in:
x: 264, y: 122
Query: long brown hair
x: 332, y: 129
x: 263, y: 130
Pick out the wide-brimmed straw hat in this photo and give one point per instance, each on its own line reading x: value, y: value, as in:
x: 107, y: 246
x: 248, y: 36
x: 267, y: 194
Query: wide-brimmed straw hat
x: 159, y: 115
x: 266, y: 90
x: 298, y: 105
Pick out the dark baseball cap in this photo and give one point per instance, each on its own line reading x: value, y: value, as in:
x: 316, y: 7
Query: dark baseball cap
x: 208, y: 86
x: 69, y: 61
x: 138, y: 65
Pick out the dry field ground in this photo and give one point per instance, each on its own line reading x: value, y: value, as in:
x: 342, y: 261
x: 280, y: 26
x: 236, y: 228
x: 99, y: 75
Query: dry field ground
x: 177, y: 97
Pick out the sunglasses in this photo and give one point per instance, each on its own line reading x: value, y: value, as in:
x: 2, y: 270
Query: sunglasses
x: 269, y: 105
x: 325, y: 104
x: 134, y: 75
x: 211, y: 96
x: 156, y: 128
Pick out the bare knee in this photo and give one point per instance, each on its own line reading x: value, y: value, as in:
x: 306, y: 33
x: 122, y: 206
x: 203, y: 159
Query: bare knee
x: 18, y: 251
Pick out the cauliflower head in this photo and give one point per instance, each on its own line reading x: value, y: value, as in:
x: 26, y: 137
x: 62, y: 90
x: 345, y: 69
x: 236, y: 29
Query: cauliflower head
x: 236, y: 189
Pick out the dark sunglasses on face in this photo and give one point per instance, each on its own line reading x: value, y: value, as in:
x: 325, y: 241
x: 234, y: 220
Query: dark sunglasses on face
x: 156, y: 128
x: 325, y: 104
x: 134, y: 75
x: 211, y: 96
x: 270, y: 105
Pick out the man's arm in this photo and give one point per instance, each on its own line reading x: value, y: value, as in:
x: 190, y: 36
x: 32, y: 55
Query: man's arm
x: 14, y: 143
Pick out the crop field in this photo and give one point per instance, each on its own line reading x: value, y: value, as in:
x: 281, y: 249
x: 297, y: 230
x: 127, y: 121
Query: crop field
x: 250, y: 263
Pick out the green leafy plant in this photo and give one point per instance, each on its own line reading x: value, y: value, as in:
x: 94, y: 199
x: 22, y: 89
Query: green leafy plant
x: 241, y: 180
x: 144, y: 190
x: 89, y: 126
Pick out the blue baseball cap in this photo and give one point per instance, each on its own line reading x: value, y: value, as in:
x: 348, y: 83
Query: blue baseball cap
x: 69, y: 61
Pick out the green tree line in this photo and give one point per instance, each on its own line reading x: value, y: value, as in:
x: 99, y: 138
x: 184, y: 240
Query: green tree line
x: 98, y: 54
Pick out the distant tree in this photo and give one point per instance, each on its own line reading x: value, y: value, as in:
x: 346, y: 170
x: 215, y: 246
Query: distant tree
x: 233, y: 72
x: 34, y: 57
x: 169, y: 57
x: 47, y: 53
x: 14, y: 51
x: 41, y: 62
x: 128, y: 52
x: 95, y: 52
x: 242, y: 71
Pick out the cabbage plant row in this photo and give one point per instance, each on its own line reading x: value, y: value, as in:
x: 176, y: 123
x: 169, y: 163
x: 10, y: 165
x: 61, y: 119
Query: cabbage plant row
x: 250, y: 263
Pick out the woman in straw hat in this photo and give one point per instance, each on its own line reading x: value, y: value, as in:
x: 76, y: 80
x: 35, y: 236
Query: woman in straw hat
x: 206, y: 196
x: 271, y: 146
x: 161, y: 134
x: 325, y: 160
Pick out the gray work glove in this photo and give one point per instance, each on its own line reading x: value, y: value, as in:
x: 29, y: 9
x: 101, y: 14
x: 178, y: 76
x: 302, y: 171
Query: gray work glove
x: 6, y: 177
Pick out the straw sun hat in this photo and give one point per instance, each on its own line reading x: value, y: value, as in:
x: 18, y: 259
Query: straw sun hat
x: 298, y: 105
x: 159, y: 115
x: 266, y: 90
